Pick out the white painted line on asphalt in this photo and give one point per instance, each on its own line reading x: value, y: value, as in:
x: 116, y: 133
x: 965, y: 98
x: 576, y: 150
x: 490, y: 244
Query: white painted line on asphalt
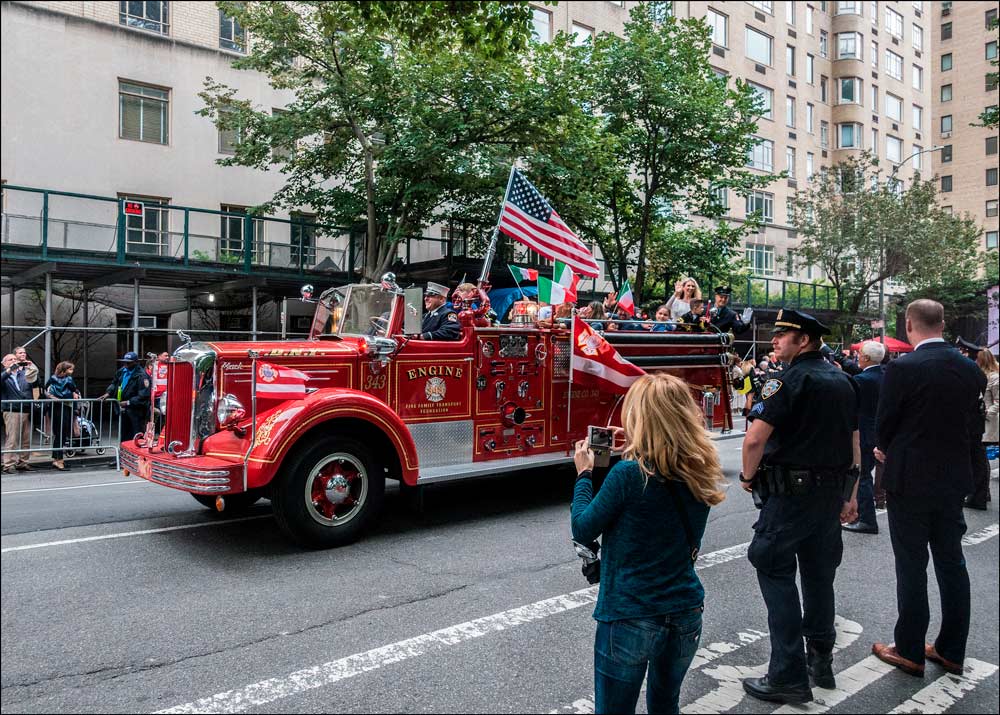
x: 849, y: 682
x: 980, y: 536
x: 123, y: 534
x: 947, y: 690
x: 79, y: 486
x: 267, y: 691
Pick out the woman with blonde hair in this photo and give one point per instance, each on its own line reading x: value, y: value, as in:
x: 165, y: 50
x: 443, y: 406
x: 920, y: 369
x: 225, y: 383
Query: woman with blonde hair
x: 651, y: 510
x: 685, y: 290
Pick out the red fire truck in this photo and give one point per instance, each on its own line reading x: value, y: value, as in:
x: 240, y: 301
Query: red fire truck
x: 381, y: 406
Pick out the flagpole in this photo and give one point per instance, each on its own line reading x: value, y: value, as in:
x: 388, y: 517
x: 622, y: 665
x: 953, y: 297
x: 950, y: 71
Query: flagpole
x: 569, y: 388
x: 491, y: 250
x: 523, y: 296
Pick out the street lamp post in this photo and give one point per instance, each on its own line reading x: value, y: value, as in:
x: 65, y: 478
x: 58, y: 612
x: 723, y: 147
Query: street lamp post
x: 881, y: 282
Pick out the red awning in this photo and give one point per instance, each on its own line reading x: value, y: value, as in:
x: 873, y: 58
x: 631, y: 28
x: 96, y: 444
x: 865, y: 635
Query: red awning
x: 891, y: 344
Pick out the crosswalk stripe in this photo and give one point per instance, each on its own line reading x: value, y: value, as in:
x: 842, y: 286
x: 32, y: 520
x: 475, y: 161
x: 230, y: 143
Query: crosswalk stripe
x: 980, y: 536
x: 849, y: 682
x: 947, y: 690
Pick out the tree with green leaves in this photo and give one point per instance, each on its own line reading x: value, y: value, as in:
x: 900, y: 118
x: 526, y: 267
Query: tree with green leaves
x: 402, y: 111
x: 990, y: 117
x: 862, y: 227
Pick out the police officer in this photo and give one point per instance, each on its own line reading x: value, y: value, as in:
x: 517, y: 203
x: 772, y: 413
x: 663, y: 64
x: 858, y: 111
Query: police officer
x: 130, y: 390
x: 801, y: 454
x: 725, y: 318
x: 440, y: 321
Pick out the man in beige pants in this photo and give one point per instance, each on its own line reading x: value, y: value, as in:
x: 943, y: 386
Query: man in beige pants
x: 16, y: 385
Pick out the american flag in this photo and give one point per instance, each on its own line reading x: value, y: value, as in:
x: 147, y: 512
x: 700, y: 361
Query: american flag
x: 528, y: 218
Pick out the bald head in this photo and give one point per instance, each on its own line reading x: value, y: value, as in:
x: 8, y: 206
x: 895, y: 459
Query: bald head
x: 925, y: 318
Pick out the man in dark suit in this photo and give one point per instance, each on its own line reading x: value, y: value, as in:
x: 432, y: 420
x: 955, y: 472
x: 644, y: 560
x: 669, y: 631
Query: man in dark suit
x: 869, y: 382
x: 927, y: 421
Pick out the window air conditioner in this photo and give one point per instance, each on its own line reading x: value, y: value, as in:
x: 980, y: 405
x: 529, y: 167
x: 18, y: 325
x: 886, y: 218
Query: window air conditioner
x: 946, y: 135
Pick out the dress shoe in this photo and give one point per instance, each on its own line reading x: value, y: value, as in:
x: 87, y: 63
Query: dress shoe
x: 761, y: 689
x: 61, y: 466
x: 980, y: 506
x: 819, y: 664
x: 888, y: 654
x: 880, y: 504
x: 860, y: 527
x: 25, y: 467
x: 930, y: 652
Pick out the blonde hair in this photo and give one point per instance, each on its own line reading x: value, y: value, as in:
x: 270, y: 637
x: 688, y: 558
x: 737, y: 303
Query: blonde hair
x: 667, y: 436
x: 697, y: 288
x: 987, y: 363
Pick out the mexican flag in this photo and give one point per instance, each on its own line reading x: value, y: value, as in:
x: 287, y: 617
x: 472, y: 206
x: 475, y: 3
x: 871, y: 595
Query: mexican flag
x: 626, y: 303
x: 523, y: 274
x: 596, y: 361
x: 553, y: 293
x: 565, y: 277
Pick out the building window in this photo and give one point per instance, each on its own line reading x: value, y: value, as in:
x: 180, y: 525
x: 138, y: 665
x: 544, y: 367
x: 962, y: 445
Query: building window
x: 582, y: 34
x: 810, y: 69
x: 150, y: 15
x: 760, y: 259
x: 303, y: 239
x: 849, y: 90
x: 809, y: 19
x: 143, y: 112
x: 893, y: 23
x: 765, y: 5
x: 991, y: 239
x: 824, y: 44
x: 790, y: 13
x: 874, y: 97
x: 991, y: 82
x: 874, y: 146
x: 991, y: 50
x: 758, y: 46
x: 720, y: 27
x: 946, y: 183
x: 849, y: 136
x: 893, y: 149
x: 790, y: 112
x: 917, y: 34
x: 991, y: 145
x: 893, y: 65
x: 848, y: 45
x: 918, y: 117
x: 992, y: 207
x: 790, y: 161
x: 946, y: 123
x: 823, y: 89
x: 229, y: 139
x: 810, y: 165
x: 824, y: 134
x: 790, y: 60
x: 232, y: 36
x: 873, y: 7
x: 917, y: 81
x: 848, y: 8
x: 946, y: 62
x: 916, y: 157
x: 874, y: 55
x: 991, y: 177
x: 231, y: 235
x: 946, y: 31
x: 948, y: 210
x: 946, y: 154
x: 541, y: 24
x: 148, y: 234
x: 809, y: 117
x: 660, y: 11
x: 893, y: 107
x: 720, y: 197
x: 991, y: 17
x: 762, y: 155
x: 945, y: 92
x: 766, y: 99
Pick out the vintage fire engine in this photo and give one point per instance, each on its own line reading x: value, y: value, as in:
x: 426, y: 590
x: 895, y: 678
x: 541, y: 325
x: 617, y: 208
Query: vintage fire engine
x: 381, y: 406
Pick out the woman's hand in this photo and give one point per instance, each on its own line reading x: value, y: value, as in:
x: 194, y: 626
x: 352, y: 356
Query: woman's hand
x: 619, y: 440
x: 584, y: 457
x: 679, y: 289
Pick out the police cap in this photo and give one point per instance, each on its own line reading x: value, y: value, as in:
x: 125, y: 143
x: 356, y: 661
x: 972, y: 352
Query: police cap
x: 129, y: 357
x: 436, y: 289
x: 797, y: 320
x: 966, y: 345
x: 723, y: 290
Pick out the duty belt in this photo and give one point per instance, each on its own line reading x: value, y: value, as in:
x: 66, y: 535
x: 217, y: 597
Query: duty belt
x: 782, y: 479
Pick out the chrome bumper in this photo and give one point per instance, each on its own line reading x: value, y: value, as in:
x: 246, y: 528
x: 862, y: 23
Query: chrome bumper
x: 195, y: 481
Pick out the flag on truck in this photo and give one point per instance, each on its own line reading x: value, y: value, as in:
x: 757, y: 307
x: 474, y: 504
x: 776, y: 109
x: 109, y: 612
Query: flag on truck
x: 523, y: 274
x: 528, y: 218
x: 280, y: 382
x: 564, y: 276
x: 554, y: 293
x: 626, y: 303
x: 595, y: 360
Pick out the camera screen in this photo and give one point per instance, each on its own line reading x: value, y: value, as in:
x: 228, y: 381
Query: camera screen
x: 600, y: 437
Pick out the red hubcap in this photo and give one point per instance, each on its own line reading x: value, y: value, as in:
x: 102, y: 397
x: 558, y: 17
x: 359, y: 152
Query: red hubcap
x: 337, y: 478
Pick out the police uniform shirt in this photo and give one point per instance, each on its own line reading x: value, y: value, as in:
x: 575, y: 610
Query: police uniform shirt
x: 813, y: 408
x: 440, y: 324
x: 134, y: 386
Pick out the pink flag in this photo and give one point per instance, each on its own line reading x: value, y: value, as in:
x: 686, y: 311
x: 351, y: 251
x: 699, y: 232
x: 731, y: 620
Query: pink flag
x: 595, y: 360
x: 277, y: 382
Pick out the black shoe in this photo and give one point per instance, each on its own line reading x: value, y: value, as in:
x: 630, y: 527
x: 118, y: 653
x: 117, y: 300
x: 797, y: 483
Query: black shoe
x: 819, y: 664
x: 981, y: 506
x: 761, y: 689
x: 860, y: 527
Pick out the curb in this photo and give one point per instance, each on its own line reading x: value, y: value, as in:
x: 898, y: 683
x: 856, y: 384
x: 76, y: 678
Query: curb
x: 719, y: 437
x: 75, y: 465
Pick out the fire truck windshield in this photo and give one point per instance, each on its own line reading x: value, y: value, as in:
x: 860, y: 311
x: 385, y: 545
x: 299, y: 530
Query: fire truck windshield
x: 355, y: 310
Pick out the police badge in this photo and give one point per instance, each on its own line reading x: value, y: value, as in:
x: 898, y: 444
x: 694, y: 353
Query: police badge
x: 770, y: 387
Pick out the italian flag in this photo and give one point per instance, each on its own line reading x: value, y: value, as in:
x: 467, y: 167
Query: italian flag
x: 565, y: 277
x: 626, y: 303
x: 594, y: 360
x: 523, y: 274
x: 553, y: 293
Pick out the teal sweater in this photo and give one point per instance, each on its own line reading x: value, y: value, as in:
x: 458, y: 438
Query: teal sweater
x: 646, y: 567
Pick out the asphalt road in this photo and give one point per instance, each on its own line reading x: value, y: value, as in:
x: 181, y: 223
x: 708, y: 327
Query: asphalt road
x: 122, y: 596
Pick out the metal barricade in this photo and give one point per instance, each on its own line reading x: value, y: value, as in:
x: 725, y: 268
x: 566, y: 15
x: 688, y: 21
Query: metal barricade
x: 59, y: 429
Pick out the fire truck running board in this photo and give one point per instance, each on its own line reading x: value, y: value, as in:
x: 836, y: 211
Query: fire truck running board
x: 453, y: 472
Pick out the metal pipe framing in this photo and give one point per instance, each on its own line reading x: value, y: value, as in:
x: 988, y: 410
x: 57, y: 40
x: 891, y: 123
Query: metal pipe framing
x: 135, y: 315
x: 86, y: 339
x: 253, y: 311
x: 48, y: 325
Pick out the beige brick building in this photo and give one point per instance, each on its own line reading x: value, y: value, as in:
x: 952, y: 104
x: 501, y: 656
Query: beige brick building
x: 963, y: 48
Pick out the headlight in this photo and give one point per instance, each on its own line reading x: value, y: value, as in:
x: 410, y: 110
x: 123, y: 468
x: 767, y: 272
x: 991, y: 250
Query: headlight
x: 230, y: 411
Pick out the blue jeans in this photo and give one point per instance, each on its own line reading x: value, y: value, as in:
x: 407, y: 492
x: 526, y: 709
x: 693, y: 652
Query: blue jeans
x: 624, y: 649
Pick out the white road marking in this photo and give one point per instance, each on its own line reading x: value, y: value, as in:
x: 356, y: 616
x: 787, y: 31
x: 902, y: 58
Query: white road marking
x: 980, y: 536
x: 267, y: 691
x: 80, y: 486
x: 947, y: 690
x: 123, y: 534
x: 729, y: 692
x: 849, y: 682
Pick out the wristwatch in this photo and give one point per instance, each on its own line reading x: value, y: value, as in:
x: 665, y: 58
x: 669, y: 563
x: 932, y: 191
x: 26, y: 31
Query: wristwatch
x: 745, y: 481
x: 585, y: 474
x: 855, y: 471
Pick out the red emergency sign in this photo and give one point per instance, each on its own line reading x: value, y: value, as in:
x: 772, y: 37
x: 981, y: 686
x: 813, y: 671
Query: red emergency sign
x: 132, y: 208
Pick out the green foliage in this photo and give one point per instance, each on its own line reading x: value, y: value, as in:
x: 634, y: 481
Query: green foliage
x: 962, y: 296
x: 990, y: 117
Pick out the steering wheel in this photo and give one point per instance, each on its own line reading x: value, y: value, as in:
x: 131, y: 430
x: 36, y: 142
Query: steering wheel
x: 379, y: 324
x: 478, y: 314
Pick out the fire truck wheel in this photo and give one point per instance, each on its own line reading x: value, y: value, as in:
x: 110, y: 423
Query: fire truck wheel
x: 329, y: 492
x: 235, y: 503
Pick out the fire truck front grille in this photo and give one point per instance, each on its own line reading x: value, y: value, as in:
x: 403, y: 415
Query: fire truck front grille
x: 208, y: 481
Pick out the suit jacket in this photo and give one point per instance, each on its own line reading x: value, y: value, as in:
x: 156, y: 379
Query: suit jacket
x: 440, y: 324
x: 869, y: 384
x: 928, y: 411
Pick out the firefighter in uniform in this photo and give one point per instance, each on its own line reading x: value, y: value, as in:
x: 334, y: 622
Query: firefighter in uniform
x: 802, y: 455
x: 440, y: 322
x: 130, y: 390
x: 725, y: 318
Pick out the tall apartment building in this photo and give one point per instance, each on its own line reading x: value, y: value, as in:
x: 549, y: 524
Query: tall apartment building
x: 964, y: 45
